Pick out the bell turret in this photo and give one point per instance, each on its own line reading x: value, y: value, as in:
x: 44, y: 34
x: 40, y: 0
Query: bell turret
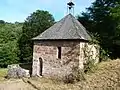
x: 70, y: 7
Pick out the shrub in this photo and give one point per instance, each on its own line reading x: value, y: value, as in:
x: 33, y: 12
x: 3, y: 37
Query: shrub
x: 75, y: 76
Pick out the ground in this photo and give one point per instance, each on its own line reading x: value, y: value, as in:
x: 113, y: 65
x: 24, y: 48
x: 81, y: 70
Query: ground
x: 15, y: 85
x: 106, y: 76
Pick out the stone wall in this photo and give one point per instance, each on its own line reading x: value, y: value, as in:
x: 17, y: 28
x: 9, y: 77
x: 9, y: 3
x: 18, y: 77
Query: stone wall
x: 72, y: 55
x: 94, y: 50
x: 82, y: 56
x: 52, y: 65
x: 88, y: 52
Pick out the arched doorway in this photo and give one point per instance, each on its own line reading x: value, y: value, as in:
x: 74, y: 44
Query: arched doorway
x: 41, y: 65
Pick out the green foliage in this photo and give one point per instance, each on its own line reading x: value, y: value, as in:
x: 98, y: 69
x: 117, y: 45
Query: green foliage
x: 116, y: 17
x: 2, y: 22
x: 95, y: 39
x: 35, y: 24
x: 9, y: 34
x: 89, y: 62
x: 3, y: 73
x: 100, y: 18
x: 104, y: 56
x: 90, y: 66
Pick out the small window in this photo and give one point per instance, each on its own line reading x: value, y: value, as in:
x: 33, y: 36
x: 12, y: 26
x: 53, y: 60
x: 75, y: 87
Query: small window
x: 59, y: 52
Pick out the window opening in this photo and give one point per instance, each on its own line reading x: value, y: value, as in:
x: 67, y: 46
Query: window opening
x: 59, y: 52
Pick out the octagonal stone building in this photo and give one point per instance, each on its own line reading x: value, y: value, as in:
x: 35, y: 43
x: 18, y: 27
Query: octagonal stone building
x: 60, y: 48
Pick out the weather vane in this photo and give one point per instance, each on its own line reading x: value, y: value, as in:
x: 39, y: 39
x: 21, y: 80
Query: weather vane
x: 70, y: 7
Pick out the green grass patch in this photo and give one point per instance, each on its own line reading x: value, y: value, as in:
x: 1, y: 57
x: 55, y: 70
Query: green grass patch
x: 3, y: 73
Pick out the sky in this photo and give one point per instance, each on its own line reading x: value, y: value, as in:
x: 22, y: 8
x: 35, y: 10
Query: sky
x: 19, y: 10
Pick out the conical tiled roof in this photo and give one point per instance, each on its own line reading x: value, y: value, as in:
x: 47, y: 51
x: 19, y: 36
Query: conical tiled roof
x: 66, y: 28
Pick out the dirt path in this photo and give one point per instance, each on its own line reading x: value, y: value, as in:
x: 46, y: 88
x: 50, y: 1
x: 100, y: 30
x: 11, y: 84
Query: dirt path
x: 15, y: 85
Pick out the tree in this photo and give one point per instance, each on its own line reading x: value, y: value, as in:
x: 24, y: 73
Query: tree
x: 99, y: 20
x: 116, y: 17
x: 86, y: 21
x: 2, y: 22
x: 9, y: 34
x: 35, y: 24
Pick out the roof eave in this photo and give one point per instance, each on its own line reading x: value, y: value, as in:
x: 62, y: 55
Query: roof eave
x: 59, y: 40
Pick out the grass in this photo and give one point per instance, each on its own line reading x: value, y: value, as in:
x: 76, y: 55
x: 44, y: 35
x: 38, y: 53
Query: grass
x: 105, y: 77
x: 50, y: 84
x: 3, y: 73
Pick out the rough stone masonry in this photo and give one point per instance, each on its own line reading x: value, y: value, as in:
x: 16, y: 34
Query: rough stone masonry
x: 60, y: 49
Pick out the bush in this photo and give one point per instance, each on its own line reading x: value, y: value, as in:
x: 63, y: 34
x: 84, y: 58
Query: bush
x: 75, y: 76
x: 103, y: 55
x: 89, y: 66
x: 69, y: 78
